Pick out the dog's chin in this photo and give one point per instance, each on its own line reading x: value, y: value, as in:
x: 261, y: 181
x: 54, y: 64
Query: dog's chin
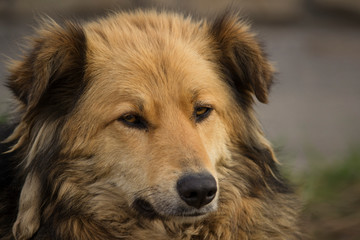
x: 181, y: 215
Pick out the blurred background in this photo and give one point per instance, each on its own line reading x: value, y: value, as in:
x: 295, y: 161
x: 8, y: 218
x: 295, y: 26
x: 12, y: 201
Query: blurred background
x: 313, y: 118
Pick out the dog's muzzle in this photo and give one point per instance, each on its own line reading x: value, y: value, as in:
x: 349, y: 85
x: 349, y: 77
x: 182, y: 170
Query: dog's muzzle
x: 195, y: 193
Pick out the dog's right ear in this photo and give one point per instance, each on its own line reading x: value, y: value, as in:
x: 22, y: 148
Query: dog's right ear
x: 28, y: 219
x: 241, y: 59
x: 52, y: 72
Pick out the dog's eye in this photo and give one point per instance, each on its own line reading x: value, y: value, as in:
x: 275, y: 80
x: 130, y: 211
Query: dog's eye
x: 200, y: 113
x: 132, y: 120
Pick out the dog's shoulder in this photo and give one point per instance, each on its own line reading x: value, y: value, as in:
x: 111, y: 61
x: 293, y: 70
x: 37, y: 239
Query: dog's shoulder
x: 7, y: 160
x: 9, y: 181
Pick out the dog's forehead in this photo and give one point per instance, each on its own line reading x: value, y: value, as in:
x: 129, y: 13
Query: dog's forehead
x: 159, y: 61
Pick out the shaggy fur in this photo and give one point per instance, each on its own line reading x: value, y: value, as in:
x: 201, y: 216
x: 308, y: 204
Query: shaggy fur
x: 113, y: 113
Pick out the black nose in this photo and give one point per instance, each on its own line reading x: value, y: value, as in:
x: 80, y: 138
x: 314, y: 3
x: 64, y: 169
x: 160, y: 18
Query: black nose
x: 197, y: 190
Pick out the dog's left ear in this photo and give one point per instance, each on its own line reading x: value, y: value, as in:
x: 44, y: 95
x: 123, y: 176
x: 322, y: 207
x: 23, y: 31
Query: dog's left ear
x: 242, y: 60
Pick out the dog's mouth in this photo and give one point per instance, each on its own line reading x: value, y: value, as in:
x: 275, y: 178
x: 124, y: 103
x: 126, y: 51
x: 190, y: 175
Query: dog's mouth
x: 145, y: 209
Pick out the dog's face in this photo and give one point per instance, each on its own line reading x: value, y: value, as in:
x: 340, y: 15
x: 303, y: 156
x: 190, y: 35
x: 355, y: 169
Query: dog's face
x: 136, y: 110
x: 159, y: 109
x: 161, y: 129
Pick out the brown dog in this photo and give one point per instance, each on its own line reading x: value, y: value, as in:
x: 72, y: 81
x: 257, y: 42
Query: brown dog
x: 140, y: 126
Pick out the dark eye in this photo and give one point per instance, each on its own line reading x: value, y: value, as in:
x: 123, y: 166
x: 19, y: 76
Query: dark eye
x: 201, y: 113
x: 133, y: 120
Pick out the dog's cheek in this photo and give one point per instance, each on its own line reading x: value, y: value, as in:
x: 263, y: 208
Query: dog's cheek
x: 214, y: 137
x: 125, y: 160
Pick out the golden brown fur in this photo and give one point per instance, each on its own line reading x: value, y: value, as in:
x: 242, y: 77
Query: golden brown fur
x: 114, y: 112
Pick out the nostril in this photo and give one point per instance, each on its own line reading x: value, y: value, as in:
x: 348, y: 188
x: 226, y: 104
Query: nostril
x: 197, y: 190
x: 211, y: 194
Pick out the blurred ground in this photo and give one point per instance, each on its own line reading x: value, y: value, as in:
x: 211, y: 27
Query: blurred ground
x: 314, y: 106
x: 332, y: 198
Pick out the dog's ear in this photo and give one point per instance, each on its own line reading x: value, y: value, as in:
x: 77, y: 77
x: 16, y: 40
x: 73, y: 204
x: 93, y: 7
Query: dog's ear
x: 242, y: 60
x: 52, y: 71
x: 28, y: 218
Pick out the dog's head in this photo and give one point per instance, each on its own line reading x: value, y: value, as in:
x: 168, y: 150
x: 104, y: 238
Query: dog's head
x: 135, y: 110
